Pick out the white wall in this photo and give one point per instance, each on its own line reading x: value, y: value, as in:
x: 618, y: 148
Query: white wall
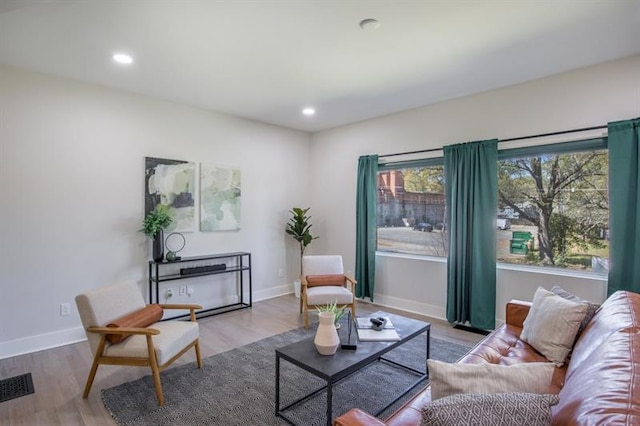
x: 583, y: 98
x: 71, y: 196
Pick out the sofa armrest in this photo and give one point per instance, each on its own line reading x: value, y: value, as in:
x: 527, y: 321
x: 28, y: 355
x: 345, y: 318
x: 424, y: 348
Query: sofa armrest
x: 355, y: 417
x: 517, y: 311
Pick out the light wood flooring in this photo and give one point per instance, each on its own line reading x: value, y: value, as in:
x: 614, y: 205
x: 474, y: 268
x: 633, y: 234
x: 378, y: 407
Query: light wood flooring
x: 59, y: 374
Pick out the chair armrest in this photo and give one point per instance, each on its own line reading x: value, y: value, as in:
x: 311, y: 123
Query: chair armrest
x: 517, y: 311
x: 180, y: 306
x: 192, y: 308
x: 124, y: 330
x: 355, y: 417
x: 351, y: 281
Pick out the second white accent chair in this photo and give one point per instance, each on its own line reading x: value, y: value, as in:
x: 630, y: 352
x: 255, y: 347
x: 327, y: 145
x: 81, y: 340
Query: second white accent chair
x: 323, y: 281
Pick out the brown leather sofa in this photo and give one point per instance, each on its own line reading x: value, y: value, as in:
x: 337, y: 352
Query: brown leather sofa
x: 600, y: 385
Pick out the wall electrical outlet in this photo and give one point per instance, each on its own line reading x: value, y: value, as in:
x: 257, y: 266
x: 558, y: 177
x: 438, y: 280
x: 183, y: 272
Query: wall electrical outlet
x: 183, y: 290
x: 169, y: 293
x: 65, y: 309
x: 189, y: 290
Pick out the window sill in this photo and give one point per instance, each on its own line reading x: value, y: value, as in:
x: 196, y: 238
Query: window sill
x: 506, y: 266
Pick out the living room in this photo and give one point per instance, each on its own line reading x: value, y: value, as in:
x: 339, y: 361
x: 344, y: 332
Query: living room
x: 72, y: 169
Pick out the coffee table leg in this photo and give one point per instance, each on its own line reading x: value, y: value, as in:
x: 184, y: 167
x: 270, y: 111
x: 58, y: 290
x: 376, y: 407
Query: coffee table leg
x: 277, y: 384
x: 329, y: 400
x: 428, y: 349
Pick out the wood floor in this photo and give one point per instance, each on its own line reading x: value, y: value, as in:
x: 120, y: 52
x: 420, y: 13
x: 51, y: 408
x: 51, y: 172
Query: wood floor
x: 59, y: 374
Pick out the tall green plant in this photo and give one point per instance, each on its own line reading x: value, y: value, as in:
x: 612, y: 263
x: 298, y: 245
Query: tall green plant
x: 299, y: 228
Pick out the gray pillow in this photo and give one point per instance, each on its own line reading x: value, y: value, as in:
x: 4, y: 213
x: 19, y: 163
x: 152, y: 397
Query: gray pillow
x: 498, y: 409
x: 592, y: 307
x: 552, y: 324
x: 449, y: 379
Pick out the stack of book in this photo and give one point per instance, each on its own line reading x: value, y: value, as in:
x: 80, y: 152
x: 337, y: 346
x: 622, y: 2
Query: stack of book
x: 366, y: 333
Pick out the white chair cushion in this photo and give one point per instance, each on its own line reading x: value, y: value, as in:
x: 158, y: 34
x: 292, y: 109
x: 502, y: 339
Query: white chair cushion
x: 100, y: 306
x: 174, y: 336
x: 322, y: 265
x: 323, y: 295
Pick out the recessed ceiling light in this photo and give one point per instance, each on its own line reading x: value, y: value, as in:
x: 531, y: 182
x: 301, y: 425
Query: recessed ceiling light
x: 309, y: 111
x: 122, y: 58
x: 369, y: 24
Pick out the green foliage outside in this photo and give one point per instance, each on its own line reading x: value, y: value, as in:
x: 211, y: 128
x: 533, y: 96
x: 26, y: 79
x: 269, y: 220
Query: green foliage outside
x: 428, y: 179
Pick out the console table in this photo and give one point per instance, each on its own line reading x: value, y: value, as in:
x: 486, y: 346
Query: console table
x: 198, y: 266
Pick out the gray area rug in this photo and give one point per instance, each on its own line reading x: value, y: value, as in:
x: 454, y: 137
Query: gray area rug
x: 238, y: 387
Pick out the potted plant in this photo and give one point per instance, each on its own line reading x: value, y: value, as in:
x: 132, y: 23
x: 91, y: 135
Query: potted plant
x: 153, y: 226
x: 299, y: 228
x: 338, y: 311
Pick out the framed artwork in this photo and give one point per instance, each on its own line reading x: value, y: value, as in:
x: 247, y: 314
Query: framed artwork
x: 220, y: 196
x: 171, y: 182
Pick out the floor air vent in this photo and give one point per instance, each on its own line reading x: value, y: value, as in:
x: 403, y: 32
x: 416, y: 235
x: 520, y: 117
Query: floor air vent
x: 15, y: 387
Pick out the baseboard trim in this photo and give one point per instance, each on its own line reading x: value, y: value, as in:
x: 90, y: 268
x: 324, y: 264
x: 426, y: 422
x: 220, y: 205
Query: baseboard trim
x: 472, y: 329
x: 41, y: 342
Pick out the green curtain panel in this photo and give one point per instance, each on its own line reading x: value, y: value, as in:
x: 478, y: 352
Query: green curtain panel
x: 624, y: 206
x: 366, y: 200
x: 471, y: 177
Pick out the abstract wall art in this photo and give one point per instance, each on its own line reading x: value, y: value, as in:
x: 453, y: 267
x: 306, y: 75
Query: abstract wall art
x: 220, y: 197
x: 171, y: 182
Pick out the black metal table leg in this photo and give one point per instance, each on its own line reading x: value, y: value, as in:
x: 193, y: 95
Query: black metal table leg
x: 277, y: 384
x: 329, y: 401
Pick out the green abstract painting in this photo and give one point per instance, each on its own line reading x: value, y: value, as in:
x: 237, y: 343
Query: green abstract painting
x: 220, y: 196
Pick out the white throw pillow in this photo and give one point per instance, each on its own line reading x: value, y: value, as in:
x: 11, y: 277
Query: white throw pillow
x: 450, y: 379
x: 552, y: 324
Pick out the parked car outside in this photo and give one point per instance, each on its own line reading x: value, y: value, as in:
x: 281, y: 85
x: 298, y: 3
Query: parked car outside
x: 503, y: 224
x: 424, y: 227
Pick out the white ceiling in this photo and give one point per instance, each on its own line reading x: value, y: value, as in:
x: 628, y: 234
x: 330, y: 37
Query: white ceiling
x: 266, y: 60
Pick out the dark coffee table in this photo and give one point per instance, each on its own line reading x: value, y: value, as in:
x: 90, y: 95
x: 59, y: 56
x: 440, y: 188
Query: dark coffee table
x: 343, y: 363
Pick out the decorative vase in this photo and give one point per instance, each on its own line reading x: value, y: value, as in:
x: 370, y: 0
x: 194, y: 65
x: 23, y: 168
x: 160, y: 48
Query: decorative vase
x: 326, y: 340
x: 158, y: 246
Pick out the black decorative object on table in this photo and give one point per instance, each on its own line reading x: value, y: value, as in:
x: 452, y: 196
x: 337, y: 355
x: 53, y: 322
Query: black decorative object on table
x: 350, y: 345
x: 158, y: 246
x: 174, y: 243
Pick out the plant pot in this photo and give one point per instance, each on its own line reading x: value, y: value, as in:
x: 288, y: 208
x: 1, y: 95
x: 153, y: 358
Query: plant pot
x: 326, y: 340
x: 296, y: 288
x: 158, y: 246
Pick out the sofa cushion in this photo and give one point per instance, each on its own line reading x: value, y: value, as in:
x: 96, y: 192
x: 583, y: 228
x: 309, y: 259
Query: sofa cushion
x: 602, y: 383
x: 552, y: 325
x: 592, y: 308
x: 449, y: 379
x: 141, y: 318
x: 502, y: 409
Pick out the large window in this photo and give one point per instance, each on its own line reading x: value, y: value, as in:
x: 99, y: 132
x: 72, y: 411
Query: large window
x: 411, y: 208
x: 553, y: 206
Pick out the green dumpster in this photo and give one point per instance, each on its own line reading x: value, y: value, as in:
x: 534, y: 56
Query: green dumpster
x: 519, y: 242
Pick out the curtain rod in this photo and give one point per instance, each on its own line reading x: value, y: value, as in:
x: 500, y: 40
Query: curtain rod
x: 562, y: 132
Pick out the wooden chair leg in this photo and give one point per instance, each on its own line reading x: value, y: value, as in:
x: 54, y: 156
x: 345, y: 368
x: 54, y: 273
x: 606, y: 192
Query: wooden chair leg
x: 155, y: 370
x: 198, y: 358
x: 353, y: 309
x: 94, y: 368
x: 306, y: 316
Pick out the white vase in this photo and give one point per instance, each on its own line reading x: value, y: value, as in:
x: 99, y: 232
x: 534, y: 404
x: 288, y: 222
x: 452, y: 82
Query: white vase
x: 326, y: 339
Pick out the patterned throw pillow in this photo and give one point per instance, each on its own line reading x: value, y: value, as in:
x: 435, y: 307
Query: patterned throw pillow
x: 592, y: 308
x: 449, y: 379
x: 552, y: 324
x: 498, y: 409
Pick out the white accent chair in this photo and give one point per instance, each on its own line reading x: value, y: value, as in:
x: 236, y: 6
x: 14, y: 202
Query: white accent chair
x: 156, y: 346
x: 323, y: 282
